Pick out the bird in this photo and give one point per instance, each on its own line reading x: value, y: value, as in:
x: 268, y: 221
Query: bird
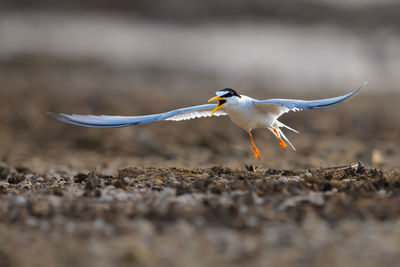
x: 246, y: 112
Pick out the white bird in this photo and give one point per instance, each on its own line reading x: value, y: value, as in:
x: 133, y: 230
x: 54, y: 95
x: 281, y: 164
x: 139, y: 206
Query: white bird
x: 246, y: 112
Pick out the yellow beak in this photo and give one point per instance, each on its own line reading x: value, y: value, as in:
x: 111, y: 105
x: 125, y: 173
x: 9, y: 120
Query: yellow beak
x: 221, y: 102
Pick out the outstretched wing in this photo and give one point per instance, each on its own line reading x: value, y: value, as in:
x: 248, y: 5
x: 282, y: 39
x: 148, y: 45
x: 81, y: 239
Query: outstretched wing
x: 103, y: 121
x: 295, y: 105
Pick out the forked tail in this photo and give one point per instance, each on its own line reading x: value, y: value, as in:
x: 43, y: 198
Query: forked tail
x: 279, y: 133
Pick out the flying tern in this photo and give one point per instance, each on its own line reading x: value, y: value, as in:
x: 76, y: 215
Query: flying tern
x: 244, y: 111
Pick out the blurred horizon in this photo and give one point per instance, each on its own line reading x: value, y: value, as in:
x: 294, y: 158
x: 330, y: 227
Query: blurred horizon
x: 298, y: 46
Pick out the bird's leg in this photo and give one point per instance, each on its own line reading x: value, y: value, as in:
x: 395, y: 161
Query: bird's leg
x: 256, y: 151
x: 281, y: 142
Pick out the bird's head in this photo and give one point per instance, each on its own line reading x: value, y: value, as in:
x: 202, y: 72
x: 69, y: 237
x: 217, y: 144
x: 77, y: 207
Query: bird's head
x: 223, y: 97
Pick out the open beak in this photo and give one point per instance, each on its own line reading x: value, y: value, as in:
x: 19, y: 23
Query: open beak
x: 221, y: 102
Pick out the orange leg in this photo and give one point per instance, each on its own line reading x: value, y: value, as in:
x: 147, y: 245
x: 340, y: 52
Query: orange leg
x: 281, y: 142
x: 256, y: 151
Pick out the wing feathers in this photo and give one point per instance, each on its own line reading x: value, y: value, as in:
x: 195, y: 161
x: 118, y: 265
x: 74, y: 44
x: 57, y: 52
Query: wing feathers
x: 294, y: 104
x: 103, y: 121
x: 195, y: 114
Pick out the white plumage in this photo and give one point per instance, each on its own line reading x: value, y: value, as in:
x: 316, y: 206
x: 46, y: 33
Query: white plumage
x: 195, y: 114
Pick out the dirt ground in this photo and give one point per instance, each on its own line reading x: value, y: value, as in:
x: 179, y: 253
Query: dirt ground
x: 180, y: 194
x: 200, y: 217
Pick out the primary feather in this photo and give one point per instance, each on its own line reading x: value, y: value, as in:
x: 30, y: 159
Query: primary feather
x: 295, y: 104
x: 103, y: 121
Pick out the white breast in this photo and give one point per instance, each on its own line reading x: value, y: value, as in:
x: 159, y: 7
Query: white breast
x: 243, y: 113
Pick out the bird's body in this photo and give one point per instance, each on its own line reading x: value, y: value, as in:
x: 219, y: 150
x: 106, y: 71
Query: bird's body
x: 246, y: 114
x: 244, y: 111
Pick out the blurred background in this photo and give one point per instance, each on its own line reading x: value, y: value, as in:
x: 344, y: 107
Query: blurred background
x: 139, y: 57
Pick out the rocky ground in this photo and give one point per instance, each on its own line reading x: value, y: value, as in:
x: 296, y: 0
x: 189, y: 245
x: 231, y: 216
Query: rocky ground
x: 217, y: 216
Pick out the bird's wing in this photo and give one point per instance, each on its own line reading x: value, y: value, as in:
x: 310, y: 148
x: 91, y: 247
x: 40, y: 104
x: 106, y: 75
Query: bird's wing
x: 287, y: 105
x: 103, y: 121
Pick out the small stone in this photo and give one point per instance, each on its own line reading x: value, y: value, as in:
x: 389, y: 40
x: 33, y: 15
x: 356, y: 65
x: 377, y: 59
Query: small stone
x: 141, y: 177
x: 172, y: 180
x: 92, y: 182
x: 26, y: 186
x: 29, y: 176
x: 40, y: 179
x: 6, y: 172
x: 120, y: 183
x: 289, y: 179
x: 170, y: 175
x: 23, y: 170
x: 282, y: 180
x: 154, y: 182
x: 250, y: 168
x: 80, y: 177
x: 62, y: 173
x: 204, y: 176
x: 15, y: 179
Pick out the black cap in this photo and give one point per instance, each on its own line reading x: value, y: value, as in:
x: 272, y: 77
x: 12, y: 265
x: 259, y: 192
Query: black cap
x: 228, y: 92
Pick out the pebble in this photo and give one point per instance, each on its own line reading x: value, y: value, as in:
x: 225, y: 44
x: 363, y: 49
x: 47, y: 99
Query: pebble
x: 6, y: 172
x: 289, y: 179
x: 170, y: 175
x: 26, y: 186
x: 172, y: 180
x: 204, y: 176
x: 141, y: 177
x: 154, y: 182
x: 283, y: 180
x: 308, y: 175
x: 29, y: 175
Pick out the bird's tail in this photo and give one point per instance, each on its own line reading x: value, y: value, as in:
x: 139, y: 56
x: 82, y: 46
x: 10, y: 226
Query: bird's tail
x: 280, y: 132
x: 280, y: 124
